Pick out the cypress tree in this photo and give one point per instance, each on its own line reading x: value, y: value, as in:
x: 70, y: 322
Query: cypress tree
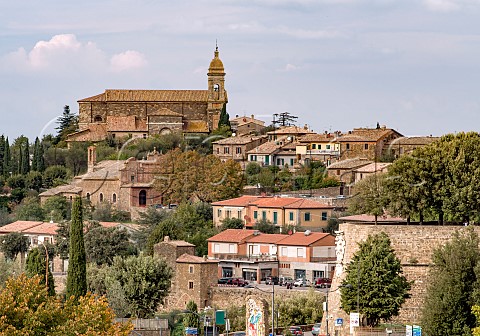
x: 77, y: 268
x: 36, y: 265
x: 2, y: 152
x: 224, y: 119
x: 35, y: 155
x: 40, y: 158
x: 6, y: 159
x: 25, y: 161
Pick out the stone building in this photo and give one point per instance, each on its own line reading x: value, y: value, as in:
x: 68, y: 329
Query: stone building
x: 192, y: 275
x: 246, y: 125
x: 139, y: 113
x: 127, y: 184
x: 406, y: 145
x: 236, y: 147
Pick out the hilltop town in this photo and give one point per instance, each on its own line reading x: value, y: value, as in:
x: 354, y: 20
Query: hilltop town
x: 167, y: 188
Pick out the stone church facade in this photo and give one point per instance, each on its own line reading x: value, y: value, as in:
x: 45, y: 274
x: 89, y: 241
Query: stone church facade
x: 140, y: 113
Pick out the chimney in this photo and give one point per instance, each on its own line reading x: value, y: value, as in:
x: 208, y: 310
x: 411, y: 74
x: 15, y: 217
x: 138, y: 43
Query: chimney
x: 92, y: 158
x: 253, y: 117
x: 305, y: 127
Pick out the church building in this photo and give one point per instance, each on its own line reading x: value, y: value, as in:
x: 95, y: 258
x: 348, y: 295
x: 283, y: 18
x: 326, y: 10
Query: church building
x: 140, y: 113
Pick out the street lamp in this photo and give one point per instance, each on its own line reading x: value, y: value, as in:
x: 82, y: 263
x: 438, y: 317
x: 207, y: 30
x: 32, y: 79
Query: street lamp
x: 326, y: 302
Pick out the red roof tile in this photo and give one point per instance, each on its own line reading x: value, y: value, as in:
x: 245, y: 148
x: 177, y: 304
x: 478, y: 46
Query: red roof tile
x: 188, y: 258
x: 232, y: 236
x: 43, y: 229
x: 18, y: 226
x: 239, y: 201
x: 266, y: 238
x: 300, y: 239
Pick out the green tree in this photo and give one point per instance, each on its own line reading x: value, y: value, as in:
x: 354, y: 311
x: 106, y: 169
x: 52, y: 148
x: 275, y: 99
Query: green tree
x: 7, y: 159
x: 34, y: 180
x: 67, y: 123
x: 447, y: 308
x: 12, y: 244
x: 301, y: 309
x: 16, y: 182
x: 55, y: 175
x: 57, y: 208
x: 191, y: 319
x: 141, y: 282
x: 76, y: 276
x: 224, y: 119
x: 37, y: 265
x: 231, y: 223
x: 369, y: 196
x: 286, y: 119
x: 252, y: 169
x: 27, y: 309
x: 103, y: 244
x: 265, y: 226
x: 29, y: 209
x: 62, y: 240
x: 374, y: 283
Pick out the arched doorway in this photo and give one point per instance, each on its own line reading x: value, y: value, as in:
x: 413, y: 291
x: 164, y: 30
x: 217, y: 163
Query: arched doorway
x: 142, y: 198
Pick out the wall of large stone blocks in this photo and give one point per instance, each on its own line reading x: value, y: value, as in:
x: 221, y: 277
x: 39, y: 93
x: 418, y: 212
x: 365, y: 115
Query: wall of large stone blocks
x: 413, y: 245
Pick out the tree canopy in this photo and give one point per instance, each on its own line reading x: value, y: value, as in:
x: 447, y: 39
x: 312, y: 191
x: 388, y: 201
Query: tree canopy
x: 12, y: 244
x: 374, y: 283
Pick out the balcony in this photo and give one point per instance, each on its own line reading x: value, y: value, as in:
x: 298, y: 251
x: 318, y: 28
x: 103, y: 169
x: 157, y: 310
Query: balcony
x: 240, y: 257
x: 323, y: 152
x: 323, y: 259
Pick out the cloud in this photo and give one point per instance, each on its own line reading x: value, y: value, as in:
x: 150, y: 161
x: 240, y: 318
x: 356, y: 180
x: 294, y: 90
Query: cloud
x: 64, y: 54
x: 127, y: 60
x: 442, y: 5
x: 290, y: 67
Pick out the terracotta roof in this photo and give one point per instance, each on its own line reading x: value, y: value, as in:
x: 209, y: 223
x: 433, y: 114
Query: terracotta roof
x: 371, y: 219
x: 308, y: 204
x: 246, y: 120
x: 188, y: 258
x: 165, y: 112
x: 420, y: 140
x: 237, y: 140
x: 266, y: 238
x: 107, y: 169
x: 232, y: 236
x: 126, y: 124
x: 349, y: 164
x: 238, y: 201
x: 178, y: 242
x: 373, y: 167
x: 149, y: 96
x: 266, y: 148
x: 367, y: 134
x: 300, y: 239
x: 290, y: 203
x: 44, y: 228
x: 290, y: 130
x: 318, y: 138
x: 94, y: 132
x: 19, y: 226
x: 67, y: 188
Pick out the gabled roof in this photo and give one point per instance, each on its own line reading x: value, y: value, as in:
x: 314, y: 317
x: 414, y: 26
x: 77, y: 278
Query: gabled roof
x: 267, y: 148
x: 237, y: 140
x: 266, y: 238
x: 418, y: 140
x: 43, y: 229
x: 274, y: 202
x: 290, y: 130
x: 301, y: 239
x: 318, y: 138
x: 19, y: 226
x: 349, y: 164
x: 191, y: 259
x: 149, y: 96
x: 373, y: 167
x: 67, y: 188
x: 232, y: 236
x: 241, y: 201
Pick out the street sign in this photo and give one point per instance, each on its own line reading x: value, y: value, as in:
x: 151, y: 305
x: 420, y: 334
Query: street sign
x: 220, y: 317
x: 417, y: 330
x: 409, y: 330
x: 354, y: 319
x: 191, y: 331
x: 227, y: 325
x: 338, y: 322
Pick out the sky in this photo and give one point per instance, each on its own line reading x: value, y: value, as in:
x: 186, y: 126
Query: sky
x: 412, y: 65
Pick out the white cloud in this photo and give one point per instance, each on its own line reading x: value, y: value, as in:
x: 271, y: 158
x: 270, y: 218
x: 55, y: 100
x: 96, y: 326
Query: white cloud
x: 127, y: 60
x: 442, y: 5
x: 290, y: 67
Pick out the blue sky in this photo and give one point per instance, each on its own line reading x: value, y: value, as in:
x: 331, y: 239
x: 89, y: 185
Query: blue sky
x: 412, y: 65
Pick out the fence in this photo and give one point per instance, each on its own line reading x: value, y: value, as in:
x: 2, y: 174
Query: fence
x: 381, y: 331
x: 147, y: 327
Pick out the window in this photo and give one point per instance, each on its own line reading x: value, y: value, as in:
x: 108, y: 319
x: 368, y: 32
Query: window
x: 255, y: 214
x: 98, y: 118
x: 264, y: 215
x: 132, y: 178
x: 231, y: 248
x: 216, y: 248
x: 324, y: 216
x: 292, y: 162
x: 114, y: 198
x: 46, y: 240
x: 300, y: 252
x: 284, y: 251
x: 306, y: 216
x: 253, y: 158
x: 101, y: 197
x: 290, y: 215
x: 347, y: 146
x: 366, y: 146
x: 319, y: 146
x: 190, y: 269
x: 226, y: 150
x: 238, y: 150
x: 328, y: 146
x: 219, y: 213
x: 338, y: 171
x: 239, y: 214
x: 144, y: 136
x: 218, y: 150
x: 142, y: 198
x: 314, y: 146
x: 34, y: 240
x: 190, y: 285
x: 275, y: 217
x: 228, y: 213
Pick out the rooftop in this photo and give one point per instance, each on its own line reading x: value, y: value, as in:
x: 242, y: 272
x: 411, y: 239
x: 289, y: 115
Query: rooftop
x: 304, y: 239
x: 232, y: 236
x: 19, y: 226
x: 188, y: 258
x: 237, y: 140
x: 149, y: 96
x: 349, y: 164
x: 373, y: 167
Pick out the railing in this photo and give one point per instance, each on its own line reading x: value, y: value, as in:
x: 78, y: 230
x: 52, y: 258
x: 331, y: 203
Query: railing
x: 322, y: 259
x: 240, y: 257
x: 146, y: 324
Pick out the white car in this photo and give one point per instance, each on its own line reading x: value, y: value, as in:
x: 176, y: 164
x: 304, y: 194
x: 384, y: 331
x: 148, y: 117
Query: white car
x: 300, y: 282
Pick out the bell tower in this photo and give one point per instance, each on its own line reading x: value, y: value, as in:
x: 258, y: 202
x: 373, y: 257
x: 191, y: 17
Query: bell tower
x: 217, y: 95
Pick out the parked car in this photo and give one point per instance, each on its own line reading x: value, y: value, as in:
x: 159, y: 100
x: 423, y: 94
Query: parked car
x: 271, y: 279
x: 300, y: 282
x: 286, y: 280
x: 296, y: 331
x: 316, y: 329
x: 323, y: 283
x: 237, y: 282
x: 223, y: 280
x: 239, y: 333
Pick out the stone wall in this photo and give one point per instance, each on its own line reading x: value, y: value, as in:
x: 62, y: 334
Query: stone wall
x: 413, y: 245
